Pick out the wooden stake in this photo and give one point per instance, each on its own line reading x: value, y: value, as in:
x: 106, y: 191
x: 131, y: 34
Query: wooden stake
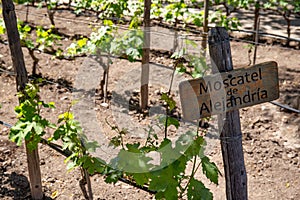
x: 256, y: 16
x: 146, y: 56
x: 229, y: 123
x: 256, y: 41
x: 33, y: 163
x: 9, y: 16
x: 205, y: 27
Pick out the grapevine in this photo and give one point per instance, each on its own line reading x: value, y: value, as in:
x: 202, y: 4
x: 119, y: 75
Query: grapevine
x: 167, y: 182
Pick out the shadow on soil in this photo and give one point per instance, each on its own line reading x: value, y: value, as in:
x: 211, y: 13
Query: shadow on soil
x: 18, y: 187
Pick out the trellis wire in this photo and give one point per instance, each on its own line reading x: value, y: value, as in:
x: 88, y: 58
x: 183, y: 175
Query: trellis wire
x: 196, y: 31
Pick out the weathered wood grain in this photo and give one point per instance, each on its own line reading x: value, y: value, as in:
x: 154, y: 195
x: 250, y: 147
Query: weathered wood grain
x: 229, y: 123
x: 223, y: 92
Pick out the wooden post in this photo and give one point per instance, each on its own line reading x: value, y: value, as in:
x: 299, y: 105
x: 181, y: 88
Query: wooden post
x: 256, y: 16
x: 205, y: 27
x: 229, y: 123
x: 256, y: 41
x: 146, y: 56
x: 9, y: 16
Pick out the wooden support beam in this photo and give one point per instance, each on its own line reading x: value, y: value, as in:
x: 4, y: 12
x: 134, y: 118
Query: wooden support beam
x: 146, y: 56
x: 9, y: 15
x: 229, y: 123
x: 205, y: 27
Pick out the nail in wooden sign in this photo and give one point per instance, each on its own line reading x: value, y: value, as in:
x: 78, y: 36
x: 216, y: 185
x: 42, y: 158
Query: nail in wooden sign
x: 220, y: 93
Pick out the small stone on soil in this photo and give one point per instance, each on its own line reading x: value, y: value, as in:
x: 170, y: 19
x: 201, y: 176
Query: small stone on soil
x: 105, y: 105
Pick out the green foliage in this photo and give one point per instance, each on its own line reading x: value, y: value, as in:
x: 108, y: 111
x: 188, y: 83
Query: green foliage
x: 70, y: 132
x: 165, y: 174
x: 24, y: 31
x: 197, y: 190
x: 113, y: 8
x: 168, y: 121
x: 222, y: 20
x: 175, y: 11
x: 156, y: 9
x: 81, y: 5
x: 107, y: 41
x: 30, y: 125
x: 2, y: 27
x: 45, y: 39
x: 178, y: 11
x: 282, y: 6
x: 135, y: 12
x: 36, y: 38
x: 52, y: 4
x: 210, y: 169
x: 169, y: 100
x: 101, y: 40
x: 130, y: 45
x: 196, y: 65
x: 172, y: 11
x: 169, y: 178
x: 198, y: 19
x: 235, y: 3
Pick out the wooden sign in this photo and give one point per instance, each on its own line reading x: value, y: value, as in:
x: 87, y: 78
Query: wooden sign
x: 220, y: 93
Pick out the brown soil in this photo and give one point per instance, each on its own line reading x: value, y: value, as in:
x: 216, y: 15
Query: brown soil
x: 271, y: 136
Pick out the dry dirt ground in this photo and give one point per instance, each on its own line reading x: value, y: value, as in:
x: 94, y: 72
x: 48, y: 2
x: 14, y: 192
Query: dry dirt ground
x: 271, y: 135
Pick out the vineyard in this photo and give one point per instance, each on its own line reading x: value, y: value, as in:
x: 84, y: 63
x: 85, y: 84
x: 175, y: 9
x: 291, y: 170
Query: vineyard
x: 95, y: 113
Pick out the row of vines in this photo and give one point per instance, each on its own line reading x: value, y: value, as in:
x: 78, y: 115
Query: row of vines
x: 170, y: 181
x: 129, y: 44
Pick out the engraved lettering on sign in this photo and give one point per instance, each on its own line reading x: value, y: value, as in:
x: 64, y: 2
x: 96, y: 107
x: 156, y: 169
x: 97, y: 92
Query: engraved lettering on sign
x: 227, y: 91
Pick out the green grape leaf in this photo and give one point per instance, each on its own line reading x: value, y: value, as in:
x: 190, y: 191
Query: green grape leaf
x: 89, y: 164
x: 195, y: 148
x: 134, y: 148
x: 164, y: 183
x: 113, y: 177
x: 38, y: 128
x: 2, y: 29
x: 58, y: 133
x: 141, y: 178
x: 26, y: 28
x: 164, y: 143
x: 99, y: 165
x: 49, y: 105
x: 197, y: 190
x: 16, y: 134
x: 171, y: 191
x: 210, y: 169
x: 71, y: 165
x: 198, y: 21
x: 91, y: 146
x: 82, y: 42
x: 170, y: 121
x: 169, y: 100
x: 181, y: 69
x: 158, y: 184
x: 133, y: 161
x: 115, y: 141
